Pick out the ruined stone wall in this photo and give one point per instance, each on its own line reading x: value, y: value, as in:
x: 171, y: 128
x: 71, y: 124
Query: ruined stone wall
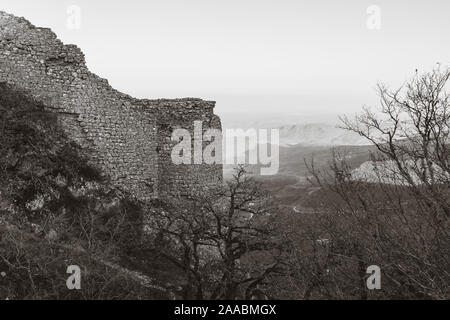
x: 185, y: 179
x: 126, y: 138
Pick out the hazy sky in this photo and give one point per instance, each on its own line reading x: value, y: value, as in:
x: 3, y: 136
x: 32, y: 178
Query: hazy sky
x: 310, y: 51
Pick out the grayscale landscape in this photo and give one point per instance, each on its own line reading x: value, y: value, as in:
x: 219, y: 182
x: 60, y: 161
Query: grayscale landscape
x: 230, y: 150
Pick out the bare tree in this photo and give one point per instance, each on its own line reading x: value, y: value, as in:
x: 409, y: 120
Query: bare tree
x: 395, y: 215
x: 411, y: 132
x: 223, y: 240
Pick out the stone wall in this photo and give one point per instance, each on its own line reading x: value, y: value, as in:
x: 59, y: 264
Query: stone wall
x: 126, y: 138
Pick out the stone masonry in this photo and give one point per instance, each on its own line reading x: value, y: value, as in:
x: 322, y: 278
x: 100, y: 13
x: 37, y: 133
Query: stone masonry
x: 128, y: 139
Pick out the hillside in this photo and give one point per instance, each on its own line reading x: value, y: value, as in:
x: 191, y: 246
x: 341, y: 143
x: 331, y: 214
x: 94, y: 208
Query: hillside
x: 61, y: 128
x: 291, y: 186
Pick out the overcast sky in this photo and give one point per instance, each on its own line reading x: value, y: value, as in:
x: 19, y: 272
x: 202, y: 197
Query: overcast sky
x: 316, y: 54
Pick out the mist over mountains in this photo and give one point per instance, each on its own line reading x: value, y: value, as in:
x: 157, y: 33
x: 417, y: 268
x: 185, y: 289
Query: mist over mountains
x: 319, y: 134
x: 317, y: 128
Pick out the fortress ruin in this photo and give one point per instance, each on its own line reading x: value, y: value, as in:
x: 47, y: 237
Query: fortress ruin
x: 128, y: 139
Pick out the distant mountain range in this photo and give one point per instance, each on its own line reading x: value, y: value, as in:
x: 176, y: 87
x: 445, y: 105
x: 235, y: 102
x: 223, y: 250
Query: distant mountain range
x: 300, y: 142
x: 319, y: 134
x: 291, y: 186
x: 299, y: 145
